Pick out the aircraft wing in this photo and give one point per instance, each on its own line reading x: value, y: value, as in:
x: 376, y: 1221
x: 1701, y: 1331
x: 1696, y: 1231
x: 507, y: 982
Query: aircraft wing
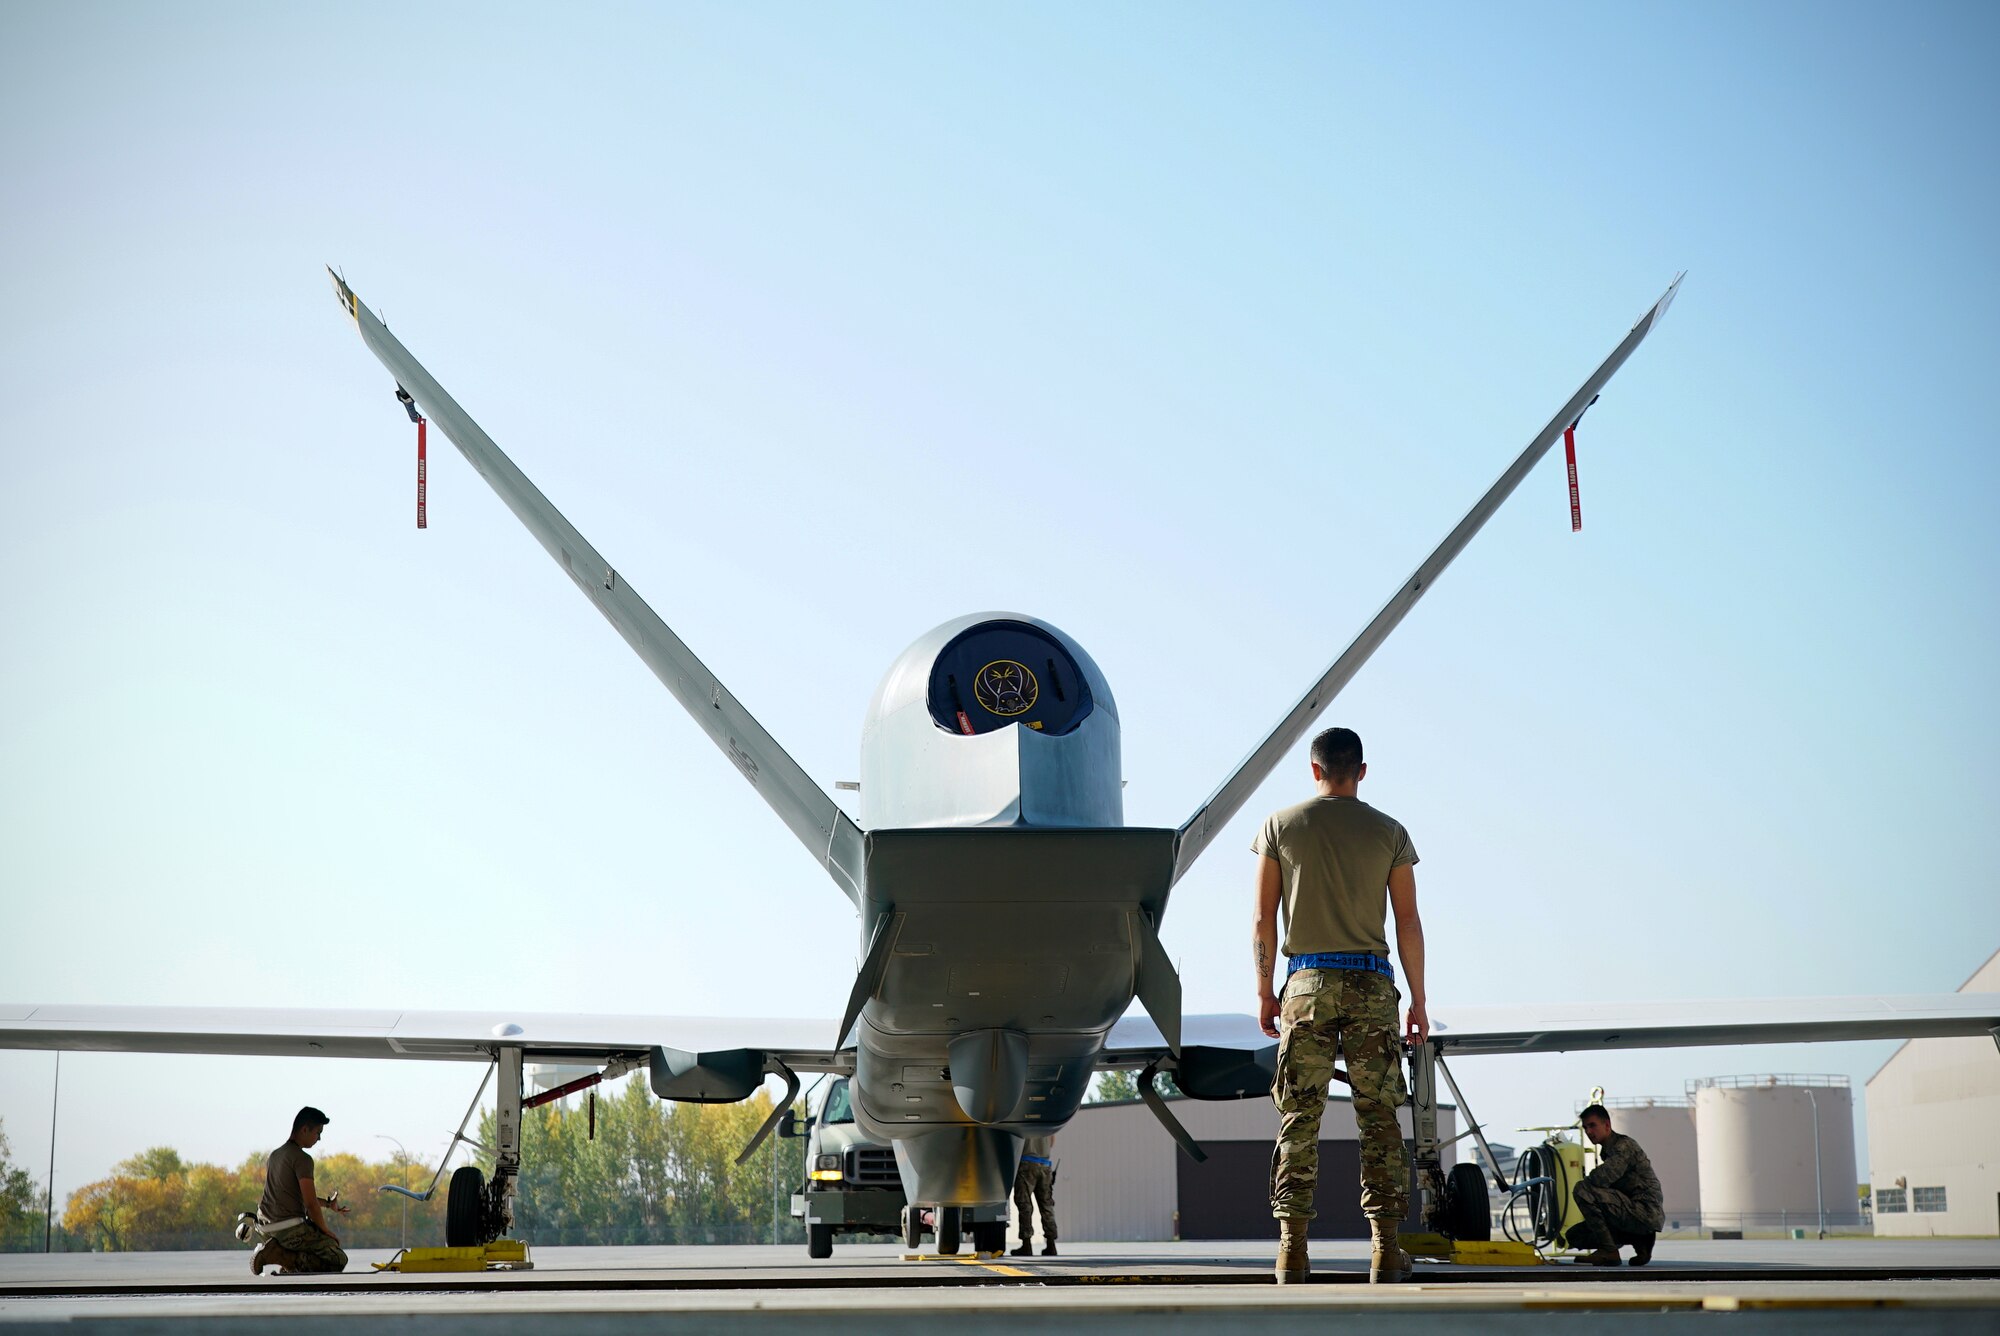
x: 1558, y: 1028
x: 1547, y: 1028
x: 827, y: 832
x: 1255, y: 768
x: 436, y: 1036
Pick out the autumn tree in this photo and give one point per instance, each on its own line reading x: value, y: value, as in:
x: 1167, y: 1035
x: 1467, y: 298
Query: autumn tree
x: 156, y: 1200
x: 653, y: 1172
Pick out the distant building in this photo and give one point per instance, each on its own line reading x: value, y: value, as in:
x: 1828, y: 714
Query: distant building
x: 1508, y: 1159
x: 1934, y: 1132
x: 1775, y: 1151
x: 1120, y: 1177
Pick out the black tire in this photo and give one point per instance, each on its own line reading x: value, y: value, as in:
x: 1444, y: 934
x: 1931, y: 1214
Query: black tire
x: 1468, y: 1213
x: 819, y: 1241
x: 913, y: 1228
x: 465, y: 1208
x: 950, y: 1228
x: 990, y: 1237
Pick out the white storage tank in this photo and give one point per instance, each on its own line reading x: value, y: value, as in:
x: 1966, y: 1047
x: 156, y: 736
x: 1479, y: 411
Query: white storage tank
x: 1755, y: 1137
x: 1664, y: 1129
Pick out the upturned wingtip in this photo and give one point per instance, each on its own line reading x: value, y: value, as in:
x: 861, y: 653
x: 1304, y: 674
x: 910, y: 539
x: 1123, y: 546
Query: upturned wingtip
x: 1667, y: 299
x: 344, y: 294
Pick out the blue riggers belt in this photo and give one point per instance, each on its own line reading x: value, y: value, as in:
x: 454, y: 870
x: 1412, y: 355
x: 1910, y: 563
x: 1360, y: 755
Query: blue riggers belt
x: 1340, y: 960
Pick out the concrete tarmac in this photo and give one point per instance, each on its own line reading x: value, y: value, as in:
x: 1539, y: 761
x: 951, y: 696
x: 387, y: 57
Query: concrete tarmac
x: 1158, y: 1289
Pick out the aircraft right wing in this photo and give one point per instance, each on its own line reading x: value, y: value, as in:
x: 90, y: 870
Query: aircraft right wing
x: 1255, y: 768
x: 827, y: 832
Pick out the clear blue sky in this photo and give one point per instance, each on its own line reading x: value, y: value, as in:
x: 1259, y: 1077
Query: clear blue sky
x: 1188, y: 328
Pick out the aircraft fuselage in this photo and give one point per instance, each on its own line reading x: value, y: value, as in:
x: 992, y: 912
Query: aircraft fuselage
x: 1005, y: 888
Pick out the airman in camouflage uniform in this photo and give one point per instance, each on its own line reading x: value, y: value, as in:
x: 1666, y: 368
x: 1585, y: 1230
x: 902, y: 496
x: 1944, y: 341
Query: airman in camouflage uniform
x: 1334, y: 865
x: 1620, y: 1199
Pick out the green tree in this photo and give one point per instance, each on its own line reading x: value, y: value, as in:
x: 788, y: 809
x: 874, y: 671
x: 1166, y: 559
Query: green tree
x: 653, y: 1173
x: 159, y: 1163
x: 21, y: 1206
x: 1113, y: 1086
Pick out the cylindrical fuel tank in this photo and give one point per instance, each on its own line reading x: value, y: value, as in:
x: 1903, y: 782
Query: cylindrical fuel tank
x: 1664, y: 1129
x: 1755, y: 1138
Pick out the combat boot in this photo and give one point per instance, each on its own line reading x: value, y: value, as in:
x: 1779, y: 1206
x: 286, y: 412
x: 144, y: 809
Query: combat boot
x: 1642, y: 1249
x: 1293, y: 1264
x: 1027, y: 1248
x: 269, y: 1253
x: 1388, y: 1264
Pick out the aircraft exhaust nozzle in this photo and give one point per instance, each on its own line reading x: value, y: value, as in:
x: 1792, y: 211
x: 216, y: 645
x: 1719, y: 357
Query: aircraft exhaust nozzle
x: 989, y: 1074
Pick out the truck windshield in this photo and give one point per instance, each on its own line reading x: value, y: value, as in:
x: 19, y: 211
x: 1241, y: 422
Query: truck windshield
x: 838, y: 1109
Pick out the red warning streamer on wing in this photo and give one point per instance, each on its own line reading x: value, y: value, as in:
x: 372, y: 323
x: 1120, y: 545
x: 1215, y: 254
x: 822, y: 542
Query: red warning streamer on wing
x: 1575, y: 500
x: 1569, y: 449
x: 422, y: 469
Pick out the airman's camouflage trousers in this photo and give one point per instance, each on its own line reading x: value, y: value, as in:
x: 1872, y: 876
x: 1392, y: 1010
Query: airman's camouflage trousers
x: 1352, y: 1013
x: 1610, y: 1218
x: 305, y: 1247
x: 1035, y: 1186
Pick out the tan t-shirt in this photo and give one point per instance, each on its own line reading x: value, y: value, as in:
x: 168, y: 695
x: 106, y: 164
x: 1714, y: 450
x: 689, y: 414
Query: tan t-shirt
x: 1335, y: 855
x: 282, y: 1172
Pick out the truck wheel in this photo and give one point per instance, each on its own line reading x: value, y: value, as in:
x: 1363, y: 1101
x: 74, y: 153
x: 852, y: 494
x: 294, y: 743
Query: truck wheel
x: 819, y: 1241
x: 990, y: 1237
x: 949, y: 1227
x: 1466, y: 1211
x: 465, y: 1208
x: 913, y: 1228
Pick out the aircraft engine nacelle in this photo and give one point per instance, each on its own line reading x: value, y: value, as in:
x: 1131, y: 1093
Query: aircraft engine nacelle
x: 992, y: 720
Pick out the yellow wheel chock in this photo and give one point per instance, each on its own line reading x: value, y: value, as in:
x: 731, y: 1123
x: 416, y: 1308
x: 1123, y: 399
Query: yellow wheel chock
x: 499, y: 1255
x: 1498, y: 1252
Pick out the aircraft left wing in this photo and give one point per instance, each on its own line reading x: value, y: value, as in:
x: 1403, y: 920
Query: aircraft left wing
x: 1547, y: 1028
x: 1557, y: 1028
x: 435, y: 1036
x: 827, y: 832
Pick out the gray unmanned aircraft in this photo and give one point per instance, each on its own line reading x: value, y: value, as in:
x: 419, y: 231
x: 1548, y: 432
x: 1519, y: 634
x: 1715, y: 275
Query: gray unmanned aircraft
x: 991, y: 784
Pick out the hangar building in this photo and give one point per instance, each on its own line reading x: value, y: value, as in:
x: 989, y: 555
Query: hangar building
x: 1121, y: 1178
x: 1934, y: 1132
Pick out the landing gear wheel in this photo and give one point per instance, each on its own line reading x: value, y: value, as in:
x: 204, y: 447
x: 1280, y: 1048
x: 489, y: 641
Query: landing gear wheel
x: 819, y: 1241
x: 990, y: 1237
x: 949, y: 1227
x: 1468, y: 1216
x: 465, y: 1208
x: 913, y: 1228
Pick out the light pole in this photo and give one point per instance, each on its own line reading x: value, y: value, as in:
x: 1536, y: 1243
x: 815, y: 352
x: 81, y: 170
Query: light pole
x: 1819, y: 1192
x: 402, y: 1170
x: 49, y: 1206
